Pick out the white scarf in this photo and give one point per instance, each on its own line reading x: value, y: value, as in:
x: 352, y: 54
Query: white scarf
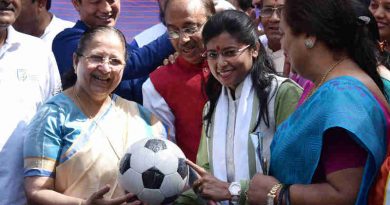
x: 243, y: 118
x: 242, y: 133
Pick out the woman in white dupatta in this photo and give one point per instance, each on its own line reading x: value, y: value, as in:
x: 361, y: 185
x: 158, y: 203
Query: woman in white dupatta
x: 246, y: 104
x: 77, y: 138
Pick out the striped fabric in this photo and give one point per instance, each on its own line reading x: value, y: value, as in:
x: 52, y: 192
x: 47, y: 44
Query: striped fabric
x: 136, y: 15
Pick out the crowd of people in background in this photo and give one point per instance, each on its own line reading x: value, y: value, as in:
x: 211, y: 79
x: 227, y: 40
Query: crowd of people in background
x: 273, y: 102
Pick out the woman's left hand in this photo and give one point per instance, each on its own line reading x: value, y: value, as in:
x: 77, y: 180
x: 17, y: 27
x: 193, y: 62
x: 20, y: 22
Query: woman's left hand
x: 208, y: 186
x: 259, y: 187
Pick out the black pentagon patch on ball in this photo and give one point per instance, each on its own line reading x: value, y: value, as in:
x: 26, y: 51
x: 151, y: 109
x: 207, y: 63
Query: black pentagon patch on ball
x: 169, y: 200
x: 152, y: 178
x: 155, y: 145
x: 125, y: 163
x: 182, y: 168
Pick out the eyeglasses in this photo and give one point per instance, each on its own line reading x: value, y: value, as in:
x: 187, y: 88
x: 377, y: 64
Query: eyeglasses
x: 187, y: 31
x: 228, y: 53
x: 267, y: 12
x: 97, y: 60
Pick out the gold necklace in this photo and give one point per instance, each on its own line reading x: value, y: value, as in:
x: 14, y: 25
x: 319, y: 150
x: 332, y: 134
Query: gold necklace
x: 312, y: 91
x: 77, y: 97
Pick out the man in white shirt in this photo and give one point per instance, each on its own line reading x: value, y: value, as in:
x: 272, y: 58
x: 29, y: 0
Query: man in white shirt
x: 36, y: 20
x: 270, y: 18
x: 27, y: 79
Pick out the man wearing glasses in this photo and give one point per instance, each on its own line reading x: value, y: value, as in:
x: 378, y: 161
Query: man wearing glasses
x: 175, y: 93
x: 270, y: 13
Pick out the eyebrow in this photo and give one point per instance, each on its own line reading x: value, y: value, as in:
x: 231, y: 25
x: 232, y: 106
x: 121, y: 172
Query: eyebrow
x: 186, y: 24
x: 273, y: 5
x: 224, y: 48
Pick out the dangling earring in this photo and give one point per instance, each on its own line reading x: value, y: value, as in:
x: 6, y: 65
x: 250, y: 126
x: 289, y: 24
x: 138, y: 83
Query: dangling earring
x: 309, y: 43
x: 383, y: 45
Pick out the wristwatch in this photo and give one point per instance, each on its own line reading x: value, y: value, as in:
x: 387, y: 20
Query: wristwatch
x: 272, y: 193
x: 235, y: 191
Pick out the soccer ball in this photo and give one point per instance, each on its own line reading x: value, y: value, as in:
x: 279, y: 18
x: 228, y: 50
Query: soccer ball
x: 155, y: 170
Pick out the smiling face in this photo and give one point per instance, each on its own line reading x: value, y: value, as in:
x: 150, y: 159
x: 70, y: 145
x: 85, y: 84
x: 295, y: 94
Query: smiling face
x: 185, y: 14
x: 9, y: 11
x: 100, y: 80
x: 381, y: 11
x: 230, y: 71
x: 98, y: 12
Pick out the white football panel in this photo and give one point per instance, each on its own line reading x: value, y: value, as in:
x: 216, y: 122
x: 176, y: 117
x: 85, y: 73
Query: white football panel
x: 131, y: 181
x: 172, y: 185
x: 151, y: 196
x: 175, y: 149
x: 166, y: 162
x: 142, y: 159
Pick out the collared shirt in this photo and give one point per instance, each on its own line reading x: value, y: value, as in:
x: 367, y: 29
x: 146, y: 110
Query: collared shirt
x: 27, y: 79
x: 148, y: 35
x: 55, y: 26
x: 140, y: 63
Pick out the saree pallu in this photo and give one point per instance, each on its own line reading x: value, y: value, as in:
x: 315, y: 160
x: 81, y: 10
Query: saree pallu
x: 92, y: 159
x: 343, y: 102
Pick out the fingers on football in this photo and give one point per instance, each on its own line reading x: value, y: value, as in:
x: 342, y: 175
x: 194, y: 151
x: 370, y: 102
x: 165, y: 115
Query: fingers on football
x: 198, y: 169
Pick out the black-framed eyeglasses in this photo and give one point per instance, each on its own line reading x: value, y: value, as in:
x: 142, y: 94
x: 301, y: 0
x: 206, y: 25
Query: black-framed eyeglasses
x: 98, y: 60
x: 267, y: 12
x: 187, y: 31
x: 227, y: 53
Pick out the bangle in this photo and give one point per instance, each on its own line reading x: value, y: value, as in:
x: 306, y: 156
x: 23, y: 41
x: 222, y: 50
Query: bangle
x: 281, y: 194
x: 287, y: 194
x: 272, y: 194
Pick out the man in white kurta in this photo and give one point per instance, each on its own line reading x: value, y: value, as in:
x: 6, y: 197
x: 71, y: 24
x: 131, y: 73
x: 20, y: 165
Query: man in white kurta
x: 27, y: 79
x: 272, y: 32
x: 55, y: 26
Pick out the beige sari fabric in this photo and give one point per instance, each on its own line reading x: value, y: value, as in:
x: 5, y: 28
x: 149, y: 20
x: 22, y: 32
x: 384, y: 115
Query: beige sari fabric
x: 96, y: 164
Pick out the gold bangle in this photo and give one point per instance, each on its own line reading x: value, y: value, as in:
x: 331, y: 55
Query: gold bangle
x: 272, y: 193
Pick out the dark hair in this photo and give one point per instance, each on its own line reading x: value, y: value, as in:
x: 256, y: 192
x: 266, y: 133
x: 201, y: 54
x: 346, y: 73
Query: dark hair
x: 241, y: 27
x: 161, y: 12
x: 335, y: 23
x: 70, y: 78
x: 245, y: 4
x: 207, y: 4
x: 362, y: 11
x: 48, y: 4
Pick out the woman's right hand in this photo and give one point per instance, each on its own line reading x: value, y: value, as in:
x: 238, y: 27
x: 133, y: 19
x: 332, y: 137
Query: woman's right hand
x: 97, y: 198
